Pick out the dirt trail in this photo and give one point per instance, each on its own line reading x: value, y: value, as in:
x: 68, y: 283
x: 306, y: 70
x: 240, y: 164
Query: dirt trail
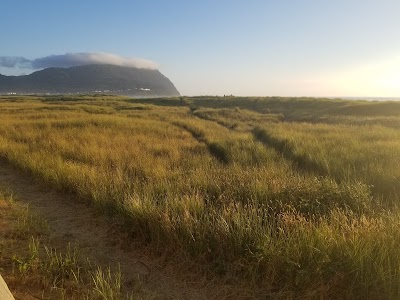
x: 70, y: 220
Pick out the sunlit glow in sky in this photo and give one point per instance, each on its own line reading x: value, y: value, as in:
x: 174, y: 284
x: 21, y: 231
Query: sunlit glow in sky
x: 256, y: 47
x: 373, y: 79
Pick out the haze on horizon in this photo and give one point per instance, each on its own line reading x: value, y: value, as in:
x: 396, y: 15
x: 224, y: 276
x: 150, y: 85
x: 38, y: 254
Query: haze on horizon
x: 255, y: 48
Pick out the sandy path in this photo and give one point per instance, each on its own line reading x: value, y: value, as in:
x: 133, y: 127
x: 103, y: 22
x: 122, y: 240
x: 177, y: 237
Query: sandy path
x: 70, y: 220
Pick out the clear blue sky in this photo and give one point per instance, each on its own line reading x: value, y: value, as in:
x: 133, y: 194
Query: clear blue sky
x: 253, y: 47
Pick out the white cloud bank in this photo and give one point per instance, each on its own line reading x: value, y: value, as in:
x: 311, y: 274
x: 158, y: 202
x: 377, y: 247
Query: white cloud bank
x: 75, y: 59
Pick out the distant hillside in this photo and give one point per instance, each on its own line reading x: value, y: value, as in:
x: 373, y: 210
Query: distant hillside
x: 91, y: 79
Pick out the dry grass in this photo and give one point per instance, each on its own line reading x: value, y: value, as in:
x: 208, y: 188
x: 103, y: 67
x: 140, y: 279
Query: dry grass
x: 287, y: 206
x: 35, y: 269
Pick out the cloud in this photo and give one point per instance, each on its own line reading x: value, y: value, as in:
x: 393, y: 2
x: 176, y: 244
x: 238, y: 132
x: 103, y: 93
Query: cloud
x: 14, y: 61
x: 75, y: 59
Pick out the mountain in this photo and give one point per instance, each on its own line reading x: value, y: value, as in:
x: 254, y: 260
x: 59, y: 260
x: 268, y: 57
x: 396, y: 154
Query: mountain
x: 90, y: 79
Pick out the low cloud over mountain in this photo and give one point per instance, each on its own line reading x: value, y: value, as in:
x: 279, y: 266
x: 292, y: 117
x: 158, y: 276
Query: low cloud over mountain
x: 75, y: 59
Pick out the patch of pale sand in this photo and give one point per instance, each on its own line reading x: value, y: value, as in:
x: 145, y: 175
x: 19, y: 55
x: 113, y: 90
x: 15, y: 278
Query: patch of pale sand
x: 73, y: 221
x: 5, y: 293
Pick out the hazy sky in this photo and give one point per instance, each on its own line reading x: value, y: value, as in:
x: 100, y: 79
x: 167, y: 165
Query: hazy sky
x: 253, y: 47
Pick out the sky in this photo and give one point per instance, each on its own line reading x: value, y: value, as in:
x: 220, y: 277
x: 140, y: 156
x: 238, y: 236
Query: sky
x: 341, y: 48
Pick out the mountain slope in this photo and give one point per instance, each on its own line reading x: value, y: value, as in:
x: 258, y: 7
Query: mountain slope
x: 89, y: 79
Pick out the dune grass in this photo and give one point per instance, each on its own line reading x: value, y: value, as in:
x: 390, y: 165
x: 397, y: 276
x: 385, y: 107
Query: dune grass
x: 368, y: 153
x: 34, y: 268
x: 299, y: 209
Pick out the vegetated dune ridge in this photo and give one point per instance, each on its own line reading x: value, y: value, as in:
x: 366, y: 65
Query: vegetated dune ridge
x: 296, y: 197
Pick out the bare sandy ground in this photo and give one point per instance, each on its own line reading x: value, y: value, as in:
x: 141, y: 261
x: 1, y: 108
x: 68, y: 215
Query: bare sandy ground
x: 5, y: 293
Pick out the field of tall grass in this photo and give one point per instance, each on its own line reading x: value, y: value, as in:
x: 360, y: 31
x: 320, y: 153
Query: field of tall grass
x: 300, y: 205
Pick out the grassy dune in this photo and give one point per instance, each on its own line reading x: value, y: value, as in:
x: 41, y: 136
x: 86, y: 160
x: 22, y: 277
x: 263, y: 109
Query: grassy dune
x: 245, y: 187
x: 368, y: 153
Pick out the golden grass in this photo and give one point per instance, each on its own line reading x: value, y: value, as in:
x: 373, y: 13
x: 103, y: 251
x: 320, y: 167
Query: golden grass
x: 298, y: 208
